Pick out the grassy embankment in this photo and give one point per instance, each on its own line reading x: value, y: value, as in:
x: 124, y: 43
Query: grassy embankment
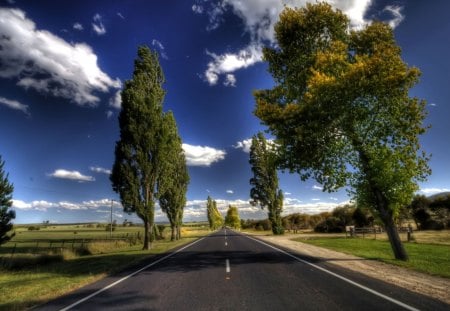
x: 42, y: 267
x: 428, y: 253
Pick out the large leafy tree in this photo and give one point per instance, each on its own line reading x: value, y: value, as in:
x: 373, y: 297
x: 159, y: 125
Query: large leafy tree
x: 265, y: 191
x: 232, y: 218
x: 341, y: 112
x: 138, y: 153
x: 6, y: 214
x: 215, y: 218
x: 174, y: 177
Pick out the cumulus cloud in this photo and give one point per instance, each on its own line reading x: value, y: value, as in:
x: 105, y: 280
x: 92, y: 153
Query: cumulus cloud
x: 230, y: 80
x: 244, y: 145
x: 98, y: 169
x: 202, y: 155
x: 46, y: 63
x: 14, y: 104
x: 78, y: 26
x: 230, y: 62
x: 71, y: 175
x: 259, y: 18
x: 430, y: 191
x: 42, y: 205
x: 116, y: 100
x: 230, y: 191
x: 97, y: 25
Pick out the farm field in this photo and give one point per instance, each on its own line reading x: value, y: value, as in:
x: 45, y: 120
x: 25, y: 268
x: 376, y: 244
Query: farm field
x: 39, y: 265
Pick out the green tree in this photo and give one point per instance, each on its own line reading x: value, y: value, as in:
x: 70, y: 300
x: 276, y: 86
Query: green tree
x: 232, y: 218
x: 215, y: 218
x: 138, y: 155
x: 265, y: 191
x: 341, y: 112
x: 174, y: 177
x: 6, y: 214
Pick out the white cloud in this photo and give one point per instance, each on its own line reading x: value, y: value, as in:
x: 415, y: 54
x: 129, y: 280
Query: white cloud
x: 65, y: 205
x: 109, y: 114
x: 97, y: 25
x: 430, y: 191
x: 244, y: 145
x: 116, y: 100
x: 316, y: 187
x: 120, y: 15
x: 160, y: 47
x: 315, y: 199
x: 259, y: 18
x: 98, y: 169
x: 14, y: 104
x: 230, y: 80
x: 202, y: 155
x: 44, y: 62
x: 229, y: 62
x: 78, y: 26
x: 397, y: 15
x: 230, y: 191
x: 71, y: 175
x: 197, y: 8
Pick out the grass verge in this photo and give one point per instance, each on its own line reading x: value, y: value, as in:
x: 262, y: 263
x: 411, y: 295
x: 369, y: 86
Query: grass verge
x: 433, y: 259
x: 35, y: 284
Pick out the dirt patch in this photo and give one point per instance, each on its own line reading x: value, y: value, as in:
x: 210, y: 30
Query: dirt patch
x: 421, y: 283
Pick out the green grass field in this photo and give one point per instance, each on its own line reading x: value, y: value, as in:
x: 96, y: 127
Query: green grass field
x: 35, y: 273
x: 431, y: 258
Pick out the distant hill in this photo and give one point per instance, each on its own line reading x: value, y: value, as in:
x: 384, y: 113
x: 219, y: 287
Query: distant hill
x: 438, y: 196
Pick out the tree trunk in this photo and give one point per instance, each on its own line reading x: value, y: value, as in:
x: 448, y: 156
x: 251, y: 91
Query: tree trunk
x: 173, y: 234
x: 391, y: 229
x: 178, y: 231
x: 146, y: 235
x: 394, y: 238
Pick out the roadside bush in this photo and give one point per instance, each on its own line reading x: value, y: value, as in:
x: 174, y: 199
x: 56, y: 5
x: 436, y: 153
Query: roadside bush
x: 34, y: 228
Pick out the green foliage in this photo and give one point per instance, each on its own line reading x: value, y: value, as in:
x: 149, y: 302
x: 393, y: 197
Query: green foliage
x: 174, y: 177
x: 265, y: 191
x: 215, y: 218
x: 139, y: 154
x: 6, y: 214
x: 341, y: 111
x: 232, y: 218
x: 430, y: 214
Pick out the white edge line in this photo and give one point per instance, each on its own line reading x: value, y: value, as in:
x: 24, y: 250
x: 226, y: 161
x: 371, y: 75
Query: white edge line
x: 408, y: 307
x: 128, y: 276
x: 227, y: 266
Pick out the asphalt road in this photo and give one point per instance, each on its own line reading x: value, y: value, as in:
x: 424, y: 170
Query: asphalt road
x: 231, y: 271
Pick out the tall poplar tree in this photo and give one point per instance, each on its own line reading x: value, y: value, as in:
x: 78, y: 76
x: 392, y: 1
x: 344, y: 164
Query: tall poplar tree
x: 341, y: 111
x: 138, y: 155
x: 232, y: 218
x: 215, y: 218
x: 265, y: 191
x: 174, y: 177
x: 6, y: 214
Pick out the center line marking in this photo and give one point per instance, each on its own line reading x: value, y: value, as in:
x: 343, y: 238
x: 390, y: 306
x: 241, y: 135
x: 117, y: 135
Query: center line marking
x: 226, y: 243
x: 227, y: 266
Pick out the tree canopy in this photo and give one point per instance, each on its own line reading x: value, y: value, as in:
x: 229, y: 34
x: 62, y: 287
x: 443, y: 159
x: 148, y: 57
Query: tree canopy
x: 232, y: 218
x: 6, y: 214
x: 215, y: 218
x: 174, y: 177
x: 341, y: 112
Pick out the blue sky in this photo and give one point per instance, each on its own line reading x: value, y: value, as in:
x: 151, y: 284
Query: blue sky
x: 62, y: 65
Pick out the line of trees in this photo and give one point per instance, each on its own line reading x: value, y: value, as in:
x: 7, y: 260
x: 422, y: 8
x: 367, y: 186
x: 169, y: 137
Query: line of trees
x: 215, y: 218
x: 149, y: 161
x: 232, y: 218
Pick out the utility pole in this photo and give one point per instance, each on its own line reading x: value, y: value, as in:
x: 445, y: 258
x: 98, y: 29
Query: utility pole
x: 110, y: 224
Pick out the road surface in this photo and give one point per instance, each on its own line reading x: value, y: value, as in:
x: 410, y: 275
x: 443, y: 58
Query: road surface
x: 231, y: 271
